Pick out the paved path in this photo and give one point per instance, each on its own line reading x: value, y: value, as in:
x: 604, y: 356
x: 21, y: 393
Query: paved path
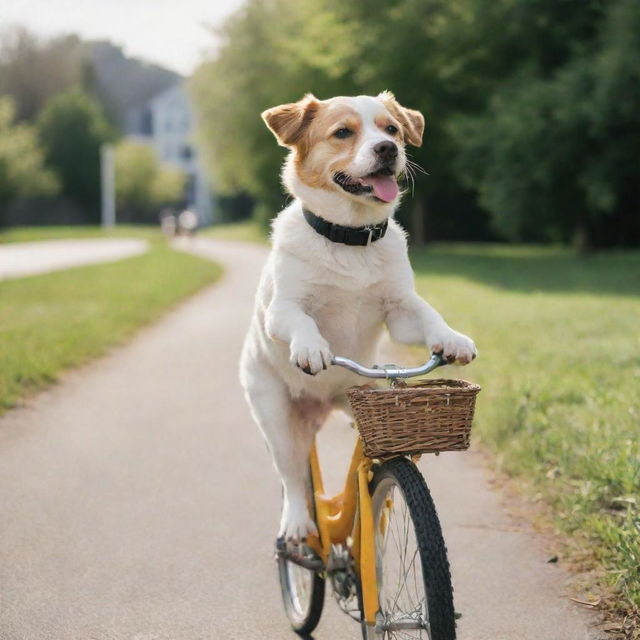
x: 137, y: 502
x: 29, y: 258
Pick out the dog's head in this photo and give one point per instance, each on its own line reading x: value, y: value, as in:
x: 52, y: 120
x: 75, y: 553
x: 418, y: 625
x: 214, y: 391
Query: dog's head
x: 350, y: 145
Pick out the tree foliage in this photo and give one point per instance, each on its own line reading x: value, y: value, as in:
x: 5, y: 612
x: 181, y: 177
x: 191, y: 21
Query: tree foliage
x: 72, y: 128
x: 32, y: 70
x: 143, y: 186
x: 554, y: 153
x: 532, y: 106
x: 22, y: 170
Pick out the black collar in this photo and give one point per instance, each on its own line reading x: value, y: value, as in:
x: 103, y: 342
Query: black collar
x: 353, y: 236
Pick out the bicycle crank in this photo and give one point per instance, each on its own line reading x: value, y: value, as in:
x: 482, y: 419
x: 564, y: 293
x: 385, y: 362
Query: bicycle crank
x: 298, y: 554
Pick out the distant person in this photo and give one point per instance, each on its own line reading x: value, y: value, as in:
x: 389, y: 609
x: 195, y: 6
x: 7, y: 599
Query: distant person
x: 187, y: 223
x: 168, y: 223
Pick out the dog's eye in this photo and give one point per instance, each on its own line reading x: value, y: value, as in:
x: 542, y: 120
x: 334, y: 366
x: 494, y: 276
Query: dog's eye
x: 343, y: 133
x: 392, y: 130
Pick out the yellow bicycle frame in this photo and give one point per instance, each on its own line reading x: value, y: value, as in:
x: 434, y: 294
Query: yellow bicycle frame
x: 349, y: 515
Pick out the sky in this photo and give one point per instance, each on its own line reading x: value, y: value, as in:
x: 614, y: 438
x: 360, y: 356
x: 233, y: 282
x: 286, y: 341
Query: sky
x: 172, y: 33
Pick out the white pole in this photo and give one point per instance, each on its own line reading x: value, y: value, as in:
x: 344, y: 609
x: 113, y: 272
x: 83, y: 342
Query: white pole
x: 108, y: 179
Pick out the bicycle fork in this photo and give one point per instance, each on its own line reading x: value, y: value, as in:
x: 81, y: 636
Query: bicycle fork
x: 367, y: 548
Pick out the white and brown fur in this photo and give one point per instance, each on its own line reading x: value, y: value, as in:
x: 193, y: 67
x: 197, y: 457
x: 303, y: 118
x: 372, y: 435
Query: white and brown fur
x: 317, y: 298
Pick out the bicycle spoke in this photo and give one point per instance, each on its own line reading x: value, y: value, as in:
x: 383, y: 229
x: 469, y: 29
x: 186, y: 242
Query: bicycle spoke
x: 401, y: 587
x: 300, y: 582
x: 402, y: 577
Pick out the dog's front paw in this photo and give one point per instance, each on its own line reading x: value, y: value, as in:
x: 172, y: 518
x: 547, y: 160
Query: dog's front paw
x: 311, y: 357
x: 454, y: 346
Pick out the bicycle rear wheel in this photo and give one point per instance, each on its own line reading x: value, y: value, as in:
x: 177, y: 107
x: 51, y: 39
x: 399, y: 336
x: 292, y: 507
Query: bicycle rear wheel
x: 414, y: 581
x: 302, y: 589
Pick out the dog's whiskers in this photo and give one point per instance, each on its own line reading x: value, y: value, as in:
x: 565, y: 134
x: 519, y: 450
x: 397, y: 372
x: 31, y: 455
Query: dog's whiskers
x: 414, y: 165
x: 409, y: 174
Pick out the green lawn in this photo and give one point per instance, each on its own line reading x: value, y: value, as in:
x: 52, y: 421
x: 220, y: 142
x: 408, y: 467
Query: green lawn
x: 51, y: 322
x: 559, y: 343
x: 33, y: 234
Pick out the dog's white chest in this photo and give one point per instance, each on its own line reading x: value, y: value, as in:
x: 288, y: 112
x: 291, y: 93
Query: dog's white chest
x: 349, y: 317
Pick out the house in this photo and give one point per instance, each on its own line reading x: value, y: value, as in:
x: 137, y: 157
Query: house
x: 166, y: 122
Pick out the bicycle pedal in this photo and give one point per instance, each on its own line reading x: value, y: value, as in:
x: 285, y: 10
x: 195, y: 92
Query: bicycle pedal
x: 302, y: 555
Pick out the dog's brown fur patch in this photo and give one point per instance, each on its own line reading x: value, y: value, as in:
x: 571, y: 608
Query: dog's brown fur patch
x: 411, y: 121
x: 319, y: 149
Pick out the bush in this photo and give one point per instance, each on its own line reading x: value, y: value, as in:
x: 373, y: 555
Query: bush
x: 72, y: 128
x: 143, y: 186
x: 22, y: 170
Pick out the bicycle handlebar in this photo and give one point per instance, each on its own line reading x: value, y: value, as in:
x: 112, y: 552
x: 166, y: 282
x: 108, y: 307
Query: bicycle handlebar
x: 389, y: 370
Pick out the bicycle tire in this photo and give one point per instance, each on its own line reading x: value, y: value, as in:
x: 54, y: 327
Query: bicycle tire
x: 305, y: 619
x: 438, y: 591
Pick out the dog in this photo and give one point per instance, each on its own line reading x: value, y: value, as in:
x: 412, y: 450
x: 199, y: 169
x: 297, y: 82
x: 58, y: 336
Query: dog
x: 338, y: 272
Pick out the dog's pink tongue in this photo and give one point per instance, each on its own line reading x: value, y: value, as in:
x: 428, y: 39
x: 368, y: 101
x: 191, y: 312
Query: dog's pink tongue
x: 384, y: 187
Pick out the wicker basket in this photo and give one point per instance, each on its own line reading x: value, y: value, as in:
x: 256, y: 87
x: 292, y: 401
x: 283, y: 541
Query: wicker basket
x: 428, y: 416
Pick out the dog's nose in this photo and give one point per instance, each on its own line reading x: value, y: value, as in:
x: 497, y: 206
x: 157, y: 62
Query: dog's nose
x: 386, y: 150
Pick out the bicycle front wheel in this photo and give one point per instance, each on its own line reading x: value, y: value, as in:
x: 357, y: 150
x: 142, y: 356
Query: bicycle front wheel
x: 414, y: 581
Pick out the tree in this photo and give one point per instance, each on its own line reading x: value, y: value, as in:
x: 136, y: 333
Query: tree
x: 143, y: 186
x: 22, y: 170
x: 32, y: 70
x: 72, y: 128
x: 532, y: 106
x: 229, y: 95
x: 330, y: 48
x: 554, y: 153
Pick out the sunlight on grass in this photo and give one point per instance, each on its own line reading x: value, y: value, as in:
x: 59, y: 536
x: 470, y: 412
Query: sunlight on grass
x: 35, y: 234
x: 51, y: 322
x: 559, y: 343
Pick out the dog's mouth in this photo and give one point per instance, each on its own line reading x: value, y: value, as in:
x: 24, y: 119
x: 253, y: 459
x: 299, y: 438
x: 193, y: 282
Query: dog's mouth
x: 381, y: 184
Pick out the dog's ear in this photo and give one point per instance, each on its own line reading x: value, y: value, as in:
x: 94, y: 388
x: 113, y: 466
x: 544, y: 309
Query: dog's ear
x: 412, y: 121
x: 288, y: 122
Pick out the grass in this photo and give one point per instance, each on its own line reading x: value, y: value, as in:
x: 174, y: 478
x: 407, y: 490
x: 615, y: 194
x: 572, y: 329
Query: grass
x: 33, y: 234
x: 51, y: 322
x: 246, y: 231
x: 559, y: 342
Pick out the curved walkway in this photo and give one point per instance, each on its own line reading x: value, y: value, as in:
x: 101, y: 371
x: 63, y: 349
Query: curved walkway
x: 30, y: 258
x: 138, y: 501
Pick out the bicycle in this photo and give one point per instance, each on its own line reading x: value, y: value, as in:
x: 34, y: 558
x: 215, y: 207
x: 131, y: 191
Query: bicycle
x: 379, y: 543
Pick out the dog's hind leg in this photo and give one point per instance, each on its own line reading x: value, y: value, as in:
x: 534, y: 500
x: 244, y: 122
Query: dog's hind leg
x: 289, y: 437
